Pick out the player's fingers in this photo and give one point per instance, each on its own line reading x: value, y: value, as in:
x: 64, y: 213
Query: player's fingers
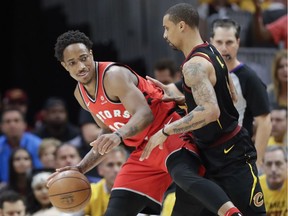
x: 146, y: 152
x: 110, y: 147
x: 97, y: 144
x: 156, y: 82
x: 105, y: 147
x: 50, y: 178
x: 161, y: 146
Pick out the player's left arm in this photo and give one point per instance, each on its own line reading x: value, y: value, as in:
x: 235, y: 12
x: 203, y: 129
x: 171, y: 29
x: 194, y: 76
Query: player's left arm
x: 121, y: 84
x: 262, y: 134
x: 232, y: 89
x: 200, y: 76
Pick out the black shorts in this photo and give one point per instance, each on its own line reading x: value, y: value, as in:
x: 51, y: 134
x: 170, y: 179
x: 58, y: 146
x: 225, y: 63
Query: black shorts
x: 232, y: 165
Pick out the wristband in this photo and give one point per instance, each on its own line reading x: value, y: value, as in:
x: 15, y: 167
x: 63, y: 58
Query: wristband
x: 165, y: 132
x: 119, y: 135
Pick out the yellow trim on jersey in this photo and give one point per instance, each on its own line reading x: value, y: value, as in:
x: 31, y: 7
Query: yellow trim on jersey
x: 219, y: 124
x: 220, y: 62
x: 254, y: 182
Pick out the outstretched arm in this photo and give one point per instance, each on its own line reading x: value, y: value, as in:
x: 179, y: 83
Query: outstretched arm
x: 261, y: 33
x: 200, y: 76
x: 171, y: 92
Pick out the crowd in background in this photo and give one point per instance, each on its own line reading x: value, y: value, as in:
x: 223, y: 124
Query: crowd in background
x: 32, y: 146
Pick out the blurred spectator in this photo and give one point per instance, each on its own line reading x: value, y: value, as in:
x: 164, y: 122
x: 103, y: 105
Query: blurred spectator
x: 20, y: 168
x: 47, y: 151
x: 68, y: 155
x: 165, y: 71
x: 252, y: 103
x: 248, y: 5
x: 12, y: 204
x: 279, y: 126
x: 275, y: 31
x: 88, y: 132
x: 39, y: 203
x: 275, y: 10
x: 18, y: 98
x: 56, y: 121
x: 277, y: 90
x: 108, y: 169
x: 242, y: 17
x: 13, y: 127
x: 274, y: 181
x: 208, y: 8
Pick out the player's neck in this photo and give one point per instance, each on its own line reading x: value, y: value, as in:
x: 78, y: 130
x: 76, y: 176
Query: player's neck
x: 188, y: 44
x: 232, y: 64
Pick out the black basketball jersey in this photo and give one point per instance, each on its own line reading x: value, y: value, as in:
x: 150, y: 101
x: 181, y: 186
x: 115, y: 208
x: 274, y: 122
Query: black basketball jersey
x: 228, y: 119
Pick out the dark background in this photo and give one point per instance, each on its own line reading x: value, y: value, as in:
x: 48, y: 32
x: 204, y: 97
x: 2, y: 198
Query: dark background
x: 33, y: 28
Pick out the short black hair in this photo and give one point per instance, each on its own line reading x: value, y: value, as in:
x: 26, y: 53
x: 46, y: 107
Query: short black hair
x: 166, y: 63
x: 10, y: 196
x: 54, y: 101
x: 184, y: 12
x: 70, y: 37
x: 226, y: 23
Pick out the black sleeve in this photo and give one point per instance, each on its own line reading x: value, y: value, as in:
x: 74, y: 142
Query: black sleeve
x: 179, y: 85
x: 256, y: 95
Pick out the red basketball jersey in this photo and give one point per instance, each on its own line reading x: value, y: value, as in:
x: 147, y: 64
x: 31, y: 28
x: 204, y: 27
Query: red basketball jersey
x: 114, y: 115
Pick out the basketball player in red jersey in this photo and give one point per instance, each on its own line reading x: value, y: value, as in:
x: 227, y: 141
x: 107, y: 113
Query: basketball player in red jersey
x: 129, y: 109
x: 226, y: 149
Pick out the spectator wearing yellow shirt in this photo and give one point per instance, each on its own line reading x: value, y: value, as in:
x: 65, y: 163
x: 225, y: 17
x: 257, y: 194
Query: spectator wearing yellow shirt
x: 108, y: 169
x: 279, y: 127
x: 274, y: 181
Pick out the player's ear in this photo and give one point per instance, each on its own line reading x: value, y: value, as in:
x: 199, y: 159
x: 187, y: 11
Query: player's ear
x: 181, y: 25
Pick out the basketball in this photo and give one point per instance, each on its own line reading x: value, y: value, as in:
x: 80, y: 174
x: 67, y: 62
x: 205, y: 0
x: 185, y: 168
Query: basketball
x: 69, y: 191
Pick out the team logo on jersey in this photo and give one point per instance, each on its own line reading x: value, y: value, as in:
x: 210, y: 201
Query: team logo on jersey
x: 88, y: 103
x: 103, y: 101
x: 226, y: 151
x: 258, y: 199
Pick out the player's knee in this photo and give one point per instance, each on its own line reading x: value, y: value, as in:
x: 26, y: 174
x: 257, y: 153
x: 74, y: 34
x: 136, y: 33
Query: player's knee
x: 185, y: 181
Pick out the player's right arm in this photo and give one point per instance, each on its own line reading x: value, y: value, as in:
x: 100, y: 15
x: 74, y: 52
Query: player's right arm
x: 92, y: 158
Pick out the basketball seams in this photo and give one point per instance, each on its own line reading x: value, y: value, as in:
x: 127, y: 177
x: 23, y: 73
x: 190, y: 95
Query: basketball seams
x: 69, y: 192
x: 88, y: 197
x: 70, y: 177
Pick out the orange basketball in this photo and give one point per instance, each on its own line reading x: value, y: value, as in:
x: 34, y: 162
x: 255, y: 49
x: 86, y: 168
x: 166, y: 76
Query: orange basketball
x: 69, y: 191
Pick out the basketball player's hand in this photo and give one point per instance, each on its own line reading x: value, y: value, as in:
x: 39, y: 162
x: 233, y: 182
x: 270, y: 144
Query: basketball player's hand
x: 168, y: 94
x: 50, y: 178
x: 105, y: 142
x: 157, y: 139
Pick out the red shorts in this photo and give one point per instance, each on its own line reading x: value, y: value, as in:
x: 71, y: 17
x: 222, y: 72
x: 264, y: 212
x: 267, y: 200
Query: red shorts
x: 150, y: 177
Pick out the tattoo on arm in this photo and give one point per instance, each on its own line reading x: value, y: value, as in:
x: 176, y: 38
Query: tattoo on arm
x: 132, y: 131
x: 90, y: 160
x: 184, y: 124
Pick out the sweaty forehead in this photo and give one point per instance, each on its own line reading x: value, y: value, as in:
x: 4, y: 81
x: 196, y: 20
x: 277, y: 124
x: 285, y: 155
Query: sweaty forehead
x: 74, y: 51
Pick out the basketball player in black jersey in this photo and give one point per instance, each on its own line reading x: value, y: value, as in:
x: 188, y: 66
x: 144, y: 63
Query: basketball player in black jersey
x: 226, y: 148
